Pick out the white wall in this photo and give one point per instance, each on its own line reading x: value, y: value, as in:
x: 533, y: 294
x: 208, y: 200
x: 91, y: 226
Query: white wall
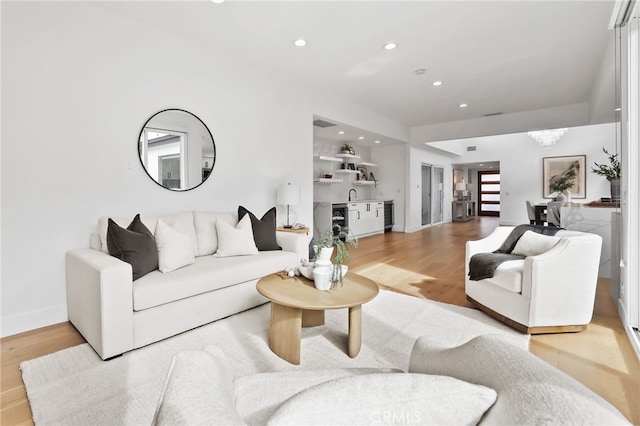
x: 391, y: 175
x: 77, y: 86
x: 521, y: 157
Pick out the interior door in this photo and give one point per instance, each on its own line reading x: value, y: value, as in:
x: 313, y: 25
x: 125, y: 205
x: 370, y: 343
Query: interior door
x: 426, y: 194
x: 438, y: 194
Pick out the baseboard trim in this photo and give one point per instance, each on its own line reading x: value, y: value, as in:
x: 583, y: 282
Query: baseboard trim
x: 27, y: 321
x: 523, y: 328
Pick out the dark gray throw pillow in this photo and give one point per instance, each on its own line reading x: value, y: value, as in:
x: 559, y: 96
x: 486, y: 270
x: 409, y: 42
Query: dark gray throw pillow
x: 134, y: 245
x: 264, y: 230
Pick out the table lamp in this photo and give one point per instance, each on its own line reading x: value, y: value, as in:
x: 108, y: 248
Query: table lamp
x: 460, y: 187
x: 289, y: 195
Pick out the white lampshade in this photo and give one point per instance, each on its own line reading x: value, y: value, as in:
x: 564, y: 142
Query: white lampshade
x: 460, y: 186
x: 288, y: 194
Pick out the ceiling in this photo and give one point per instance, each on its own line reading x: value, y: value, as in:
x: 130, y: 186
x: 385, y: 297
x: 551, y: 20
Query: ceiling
x: 495, y: 56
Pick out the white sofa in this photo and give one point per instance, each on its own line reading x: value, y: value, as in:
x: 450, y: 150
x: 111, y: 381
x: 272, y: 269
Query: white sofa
x: 116, y: 314
x: 486, y: 380
x: 553, y: 291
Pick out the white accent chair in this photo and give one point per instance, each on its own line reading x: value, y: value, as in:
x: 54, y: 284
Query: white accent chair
x: 531, y: 213
x: 547, y: 293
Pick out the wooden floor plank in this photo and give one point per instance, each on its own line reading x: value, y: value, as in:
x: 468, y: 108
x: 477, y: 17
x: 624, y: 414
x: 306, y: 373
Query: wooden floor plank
x: 427, y: 264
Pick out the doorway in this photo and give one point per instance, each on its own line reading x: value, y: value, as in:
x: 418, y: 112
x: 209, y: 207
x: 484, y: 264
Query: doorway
x: 489, y: 193
x: 432, y: 194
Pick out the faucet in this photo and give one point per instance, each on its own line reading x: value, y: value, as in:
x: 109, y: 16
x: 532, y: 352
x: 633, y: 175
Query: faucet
x: 356, y: 194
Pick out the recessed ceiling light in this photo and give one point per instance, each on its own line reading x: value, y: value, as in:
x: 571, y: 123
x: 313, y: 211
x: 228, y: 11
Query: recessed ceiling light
x: 217, y: 1
x: 341, y: 132
x: 360, y: 137
x: 437, y: 83
x: 376, y: 141
x: 420, y: 71
x: 390, y: 45
x: 618, y: 109
x: 481, y: 164
x: 463, y: 105
x: 300, y: 42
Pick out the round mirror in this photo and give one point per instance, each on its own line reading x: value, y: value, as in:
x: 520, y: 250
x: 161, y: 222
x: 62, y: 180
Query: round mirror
x: 176, y: 149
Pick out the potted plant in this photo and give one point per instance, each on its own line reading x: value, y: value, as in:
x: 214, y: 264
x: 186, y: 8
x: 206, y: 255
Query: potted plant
x: 561, y: 183
x: 347, y: 149
x: 335, y: 236
x: 610, y: 171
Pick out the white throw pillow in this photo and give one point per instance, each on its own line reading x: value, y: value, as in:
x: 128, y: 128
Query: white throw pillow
x: 235, y: 241
x: 175, y: 248
x: 532, y: 244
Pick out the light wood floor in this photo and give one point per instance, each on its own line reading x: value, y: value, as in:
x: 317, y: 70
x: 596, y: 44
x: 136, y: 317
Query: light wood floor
x: 427, y: 264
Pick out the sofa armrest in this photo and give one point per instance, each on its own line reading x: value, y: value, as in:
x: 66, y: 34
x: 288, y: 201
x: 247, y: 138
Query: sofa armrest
x: 568, y: 271
x: 530, y: 391
x: 294, y: 242
x: 100, y: 300
x: 198, y: 391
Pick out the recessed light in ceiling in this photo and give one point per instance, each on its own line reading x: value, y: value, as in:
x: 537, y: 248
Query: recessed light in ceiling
x: 463, y: 105
x: 300, y: 42
x: 217, y: 1
x: 437, y: 83
x: 376, y: 141
x: 420, y: 71
x: 360, y: 137
x: 341, y: 132
x: 618, y: 109
x: 390, y: 45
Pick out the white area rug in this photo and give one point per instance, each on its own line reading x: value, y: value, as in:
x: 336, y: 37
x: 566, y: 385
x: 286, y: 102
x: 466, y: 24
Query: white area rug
x: 74, y: 386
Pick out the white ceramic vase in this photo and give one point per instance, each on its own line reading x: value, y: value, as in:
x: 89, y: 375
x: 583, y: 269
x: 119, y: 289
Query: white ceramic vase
x: 323, y: 256
x: 322, y: 276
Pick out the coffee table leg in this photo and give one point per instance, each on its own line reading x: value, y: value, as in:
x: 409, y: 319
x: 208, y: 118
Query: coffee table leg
x: 355, y: 330
x: 284, y: 332
x: 312, y: 318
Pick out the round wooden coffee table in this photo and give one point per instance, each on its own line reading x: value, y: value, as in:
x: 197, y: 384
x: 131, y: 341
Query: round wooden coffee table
x: 296, y: 303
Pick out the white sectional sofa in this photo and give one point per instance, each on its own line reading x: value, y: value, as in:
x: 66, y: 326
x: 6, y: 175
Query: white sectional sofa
x: 116, y: 314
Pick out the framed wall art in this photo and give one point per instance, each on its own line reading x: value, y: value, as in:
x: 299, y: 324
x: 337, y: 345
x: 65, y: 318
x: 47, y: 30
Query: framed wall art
x: 554, y: 168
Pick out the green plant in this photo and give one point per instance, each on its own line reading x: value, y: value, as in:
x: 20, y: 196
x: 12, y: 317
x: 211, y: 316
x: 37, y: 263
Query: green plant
x: 335, y: 236
x: 347, y: 148
x: 610, y: 171
x: 561, y: 183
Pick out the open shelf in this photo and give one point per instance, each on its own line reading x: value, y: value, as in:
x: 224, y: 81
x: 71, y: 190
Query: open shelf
x: 347, y: 171
x: 327, y: 181
x: 341, y: 155
x: 364, y: 182
x: 366, y: 164
x: 327, y: 158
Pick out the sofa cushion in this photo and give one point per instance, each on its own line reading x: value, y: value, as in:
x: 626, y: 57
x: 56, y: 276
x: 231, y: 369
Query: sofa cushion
x: 206, y: 274
x: 180, y: 221
x: 134, y: 245
x: 533, y: 244
x: 174, y: 248
x: 508, y: 276
x: 205, y: 226
x: 258, y: 396
x: 235, y: 240
x: 264, y: 230
x: 530, y: 391
x: 387, y: 398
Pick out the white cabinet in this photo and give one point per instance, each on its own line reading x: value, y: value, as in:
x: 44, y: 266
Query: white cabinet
x: 366, y: 218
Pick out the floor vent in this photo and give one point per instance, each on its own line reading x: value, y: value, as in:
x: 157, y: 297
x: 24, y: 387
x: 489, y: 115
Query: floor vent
x: 322, y: 123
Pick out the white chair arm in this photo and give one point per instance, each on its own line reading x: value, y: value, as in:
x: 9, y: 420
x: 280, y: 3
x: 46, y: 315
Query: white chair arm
x: 490, y: 243
x: 100, y: 301
x: 294, y: 242
x: 568, y: 271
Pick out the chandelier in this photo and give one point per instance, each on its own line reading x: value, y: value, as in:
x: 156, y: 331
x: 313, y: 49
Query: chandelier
x: 547, y: 138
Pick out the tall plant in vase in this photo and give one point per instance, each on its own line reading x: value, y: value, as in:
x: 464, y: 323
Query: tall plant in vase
x: 610, y: 171
x: 336, y: 236
x: 562, y: 182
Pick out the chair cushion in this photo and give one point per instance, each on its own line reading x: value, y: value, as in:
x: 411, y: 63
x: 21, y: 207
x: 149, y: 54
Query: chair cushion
x: 235, y: 240
x: 205, y: 228
x: 533, y: 244
x: 508, y: 276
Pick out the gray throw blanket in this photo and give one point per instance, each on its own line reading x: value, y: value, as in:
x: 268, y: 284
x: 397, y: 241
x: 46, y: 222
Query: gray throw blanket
x: 484, y: 265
